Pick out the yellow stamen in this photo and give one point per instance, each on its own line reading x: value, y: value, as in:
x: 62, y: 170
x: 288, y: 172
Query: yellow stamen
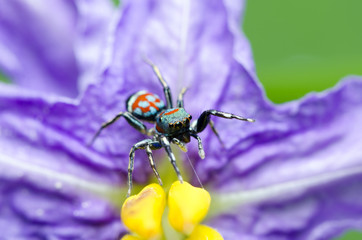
x: 188, y: 206
x: 130, y: 237
x: 142, y: 213
x: 202, y: 232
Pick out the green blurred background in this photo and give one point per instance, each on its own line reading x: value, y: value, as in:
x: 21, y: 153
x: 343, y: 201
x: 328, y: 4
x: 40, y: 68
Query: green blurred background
x: 304, y: 46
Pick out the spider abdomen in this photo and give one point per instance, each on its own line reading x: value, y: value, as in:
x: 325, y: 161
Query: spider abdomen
x: 145, y: 105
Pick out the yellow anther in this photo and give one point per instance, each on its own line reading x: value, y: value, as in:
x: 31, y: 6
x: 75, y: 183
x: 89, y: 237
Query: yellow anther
x: 142, y: 213
x: 130, y: 237
x: 202, y: 232
x: 188, y: 206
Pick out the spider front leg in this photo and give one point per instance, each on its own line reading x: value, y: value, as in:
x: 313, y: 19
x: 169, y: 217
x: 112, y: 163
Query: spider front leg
x: 166, y: 144
x: 133, y: 121
x: 180, y: 144
x: 212, y: 125
x: 147, y: 144
x: 199, y: 144
x: 204, y: 120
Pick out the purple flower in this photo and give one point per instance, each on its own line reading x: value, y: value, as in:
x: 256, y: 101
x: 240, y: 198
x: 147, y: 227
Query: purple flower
x: 293, y: 174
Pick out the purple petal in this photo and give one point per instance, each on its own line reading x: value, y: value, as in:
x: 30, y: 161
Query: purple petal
x: 28, y: 212
x: 175, y: 36
x: 52, y: 184
x: 242, y: 50
x: 36, y: 49
x: 94, y: 21
x: 322, y: 213
x: 291, y: 165
x: 307, y: 134
x: 37, y: 42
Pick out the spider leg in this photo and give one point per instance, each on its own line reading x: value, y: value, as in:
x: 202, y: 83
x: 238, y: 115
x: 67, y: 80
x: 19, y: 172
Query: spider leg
x: 152, y: 163
x: 140, y: 145
x: 204, y: 118
x: 180, y: 99
x: 166, y: 144
x: 212, y: 125
x: 151, y: 132
x: 166, y: 88
x: 199, y: 144
x: 133, y: 121
x: 180, y: 144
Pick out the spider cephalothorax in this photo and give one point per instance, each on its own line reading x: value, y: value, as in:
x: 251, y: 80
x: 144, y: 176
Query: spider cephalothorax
x: 172, y: 125
x: 174, y: 122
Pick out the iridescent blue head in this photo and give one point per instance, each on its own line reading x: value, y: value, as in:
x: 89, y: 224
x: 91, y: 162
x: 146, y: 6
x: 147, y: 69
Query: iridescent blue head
x: 174, y: 122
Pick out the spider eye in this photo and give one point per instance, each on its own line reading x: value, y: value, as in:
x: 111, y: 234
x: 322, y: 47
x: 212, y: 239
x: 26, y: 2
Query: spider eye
x: 178, y: 124
x: 190, y: 117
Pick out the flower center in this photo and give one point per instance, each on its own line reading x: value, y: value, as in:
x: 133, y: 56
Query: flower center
x: 187, y: 207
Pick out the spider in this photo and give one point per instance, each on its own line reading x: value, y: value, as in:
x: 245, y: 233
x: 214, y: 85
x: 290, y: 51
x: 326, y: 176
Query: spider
x: 172, y: 125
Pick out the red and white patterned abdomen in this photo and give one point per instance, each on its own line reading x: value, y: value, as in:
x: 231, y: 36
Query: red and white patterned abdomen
x: 145, y: 105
